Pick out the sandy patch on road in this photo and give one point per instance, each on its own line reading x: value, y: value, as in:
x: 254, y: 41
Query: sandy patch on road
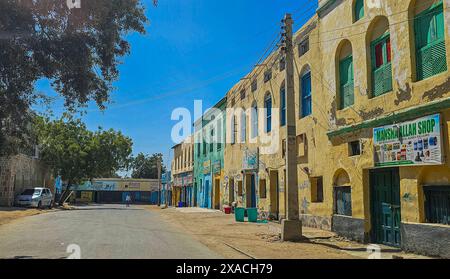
x: 222, y: 234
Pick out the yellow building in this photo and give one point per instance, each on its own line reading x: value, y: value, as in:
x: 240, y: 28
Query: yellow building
x: 182, y: 173
x: 372, y: 91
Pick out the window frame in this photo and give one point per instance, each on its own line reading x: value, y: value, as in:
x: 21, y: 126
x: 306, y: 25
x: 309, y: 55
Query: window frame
x: 283, y: 106
x: 387, y: 62
x: 336, y: 208
x: 306, y: 98
x: 350, y: 81
x: 359, y: 14
x: 268, y: 118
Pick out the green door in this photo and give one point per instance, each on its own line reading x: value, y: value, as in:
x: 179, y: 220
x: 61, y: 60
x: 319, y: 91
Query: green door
x: 385, y: 206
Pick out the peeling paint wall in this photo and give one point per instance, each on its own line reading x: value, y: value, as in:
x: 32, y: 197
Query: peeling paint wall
x: 326, y: 157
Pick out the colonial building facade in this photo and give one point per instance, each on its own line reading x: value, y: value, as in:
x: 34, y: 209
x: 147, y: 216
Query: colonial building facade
x: 182, y: 173
x: 372, y: 92
x: 209, y: 136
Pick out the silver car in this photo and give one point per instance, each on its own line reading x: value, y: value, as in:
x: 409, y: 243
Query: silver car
x: 35, y: 197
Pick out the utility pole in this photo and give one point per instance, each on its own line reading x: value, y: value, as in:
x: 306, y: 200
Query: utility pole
x: 291, y: 226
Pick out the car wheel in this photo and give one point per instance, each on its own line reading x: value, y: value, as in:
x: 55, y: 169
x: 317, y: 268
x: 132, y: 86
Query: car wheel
x: 39, y: 204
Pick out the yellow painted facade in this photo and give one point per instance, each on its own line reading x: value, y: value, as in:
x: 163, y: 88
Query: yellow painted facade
x: 323, y: 137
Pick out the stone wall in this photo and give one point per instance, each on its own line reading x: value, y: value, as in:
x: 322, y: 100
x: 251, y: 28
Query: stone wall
x: 426, y: 239
x: 20, y: 172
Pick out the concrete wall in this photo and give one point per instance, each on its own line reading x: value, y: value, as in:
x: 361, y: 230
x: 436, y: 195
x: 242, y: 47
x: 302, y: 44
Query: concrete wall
x: 20, y: 172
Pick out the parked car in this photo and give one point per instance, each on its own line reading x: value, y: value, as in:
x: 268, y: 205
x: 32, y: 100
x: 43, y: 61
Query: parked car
x: 35, y: 197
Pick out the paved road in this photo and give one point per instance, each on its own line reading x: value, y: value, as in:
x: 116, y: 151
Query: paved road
x: 101, y: 231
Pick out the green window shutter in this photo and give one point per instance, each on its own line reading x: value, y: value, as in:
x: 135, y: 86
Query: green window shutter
x: 359, y: 9
x: 347, y: 97
x: 431, y: 58
x: 381, y: 76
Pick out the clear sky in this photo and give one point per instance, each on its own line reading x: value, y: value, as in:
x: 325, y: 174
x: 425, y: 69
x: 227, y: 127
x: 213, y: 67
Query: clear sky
x: 193, y: 50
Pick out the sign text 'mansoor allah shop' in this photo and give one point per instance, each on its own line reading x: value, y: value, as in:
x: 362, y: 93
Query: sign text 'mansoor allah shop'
x: 417, y: 142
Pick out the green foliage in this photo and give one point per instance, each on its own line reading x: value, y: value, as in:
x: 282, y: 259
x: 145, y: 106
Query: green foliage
x: 78, y: 154
x: 146, y: 167
x: 77, y: 50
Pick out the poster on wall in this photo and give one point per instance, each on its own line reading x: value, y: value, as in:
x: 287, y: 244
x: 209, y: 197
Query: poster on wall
x: 250, y: 159
x: 417, y: 142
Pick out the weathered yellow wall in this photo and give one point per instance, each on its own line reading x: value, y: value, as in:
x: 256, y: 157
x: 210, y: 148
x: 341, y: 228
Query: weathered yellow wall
x: 331, y: 38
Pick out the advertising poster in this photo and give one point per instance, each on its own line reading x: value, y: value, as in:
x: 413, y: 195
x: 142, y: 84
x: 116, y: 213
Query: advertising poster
x: 417, y: 142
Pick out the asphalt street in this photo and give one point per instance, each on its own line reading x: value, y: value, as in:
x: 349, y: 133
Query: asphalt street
x: 99, y: 232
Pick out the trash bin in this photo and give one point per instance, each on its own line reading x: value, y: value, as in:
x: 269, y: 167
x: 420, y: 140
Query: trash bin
x: 180, y: 204
x: 252, y: 214
x: 239, y: 214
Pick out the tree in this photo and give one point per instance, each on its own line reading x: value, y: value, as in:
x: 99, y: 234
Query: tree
x: 76, y: 49
x: 146, y: 167
x: 77, y: 154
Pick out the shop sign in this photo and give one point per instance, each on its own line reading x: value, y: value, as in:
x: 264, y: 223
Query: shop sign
x: 217, y: 166
x: 250, y: 159
x: 187, y: 180
x: 417, y: 142
x: 206, y: 167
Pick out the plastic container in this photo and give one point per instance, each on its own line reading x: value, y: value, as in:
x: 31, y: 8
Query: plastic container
x: 239, y: 214
x: 227, y: 209
x: 252, y: 214
x: 180, y: 204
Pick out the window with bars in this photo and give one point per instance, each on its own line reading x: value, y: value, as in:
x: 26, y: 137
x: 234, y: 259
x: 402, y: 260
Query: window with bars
x: 359, y: 10
x: 381, y: 66
x: 347, y: 89
x: 430, y: 42
x: 343, y: 200
x: 306, y: 99
x: 437, y: 204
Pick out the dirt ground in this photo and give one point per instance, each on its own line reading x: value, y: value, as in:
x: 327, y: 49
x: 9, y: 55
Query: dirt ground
x: 9, y: 214
x: 222, y: 234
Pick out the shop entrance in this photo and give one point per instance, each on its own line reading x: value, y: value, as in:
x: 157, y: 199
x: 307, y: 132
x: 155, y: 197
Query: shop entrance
x: 217, y: 194
x: 274, y: 194
x: 250, y: 190
x: 385, y: 206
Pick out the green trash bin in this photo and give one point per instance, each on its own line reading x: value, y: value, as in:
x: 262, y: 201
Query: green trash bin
x: 239, y: 213
x: 252, y: 214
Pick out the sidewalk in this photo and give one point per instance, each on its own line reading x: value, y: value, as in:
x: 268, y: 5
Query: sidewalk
x: 235, y: 240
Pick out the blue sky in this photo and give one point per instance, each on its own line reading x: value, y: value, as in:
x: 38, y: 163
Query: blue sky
x: 193, y: 50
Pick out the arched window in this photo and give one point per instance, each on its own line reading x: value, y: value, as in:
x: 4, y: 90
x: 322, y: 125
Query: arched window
x: 429, y: 40
x: 268, y: 106
x: 254, y: 120
x: 358, y: 10
x: 380, y: 48
x: 283, y: 105
x: 306, y: 98
x: 346, y: 76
